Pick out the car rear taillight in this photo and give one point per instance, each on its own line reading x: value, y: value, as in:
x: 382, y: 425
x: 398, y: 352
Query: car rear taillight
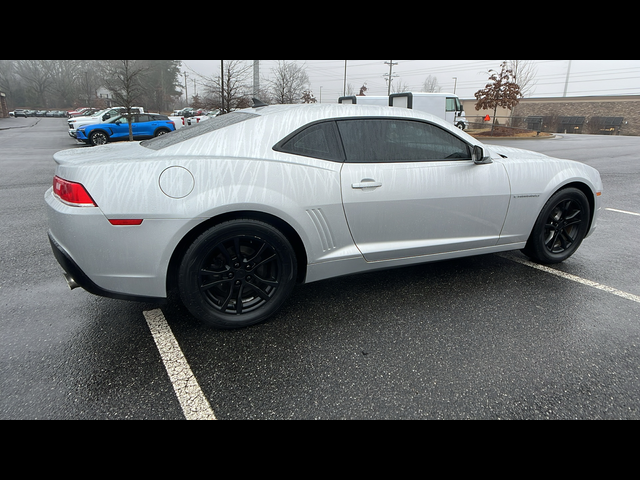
x: 72, y: 193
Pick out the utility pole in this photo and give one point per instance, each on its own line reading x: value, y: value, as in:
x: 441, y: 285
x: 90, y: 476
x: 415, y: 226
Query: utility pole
x: 566, y: 82
x: 344, y: 88
x: 186, y: 92
x: 222, y: 86
x: 256, y: 78
x: 391, y: 64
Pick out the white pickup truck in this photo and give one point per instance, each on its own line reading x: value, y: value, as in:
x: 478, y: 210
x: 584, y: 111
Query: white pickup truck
x: 99, y: 117
x: 185, y: 120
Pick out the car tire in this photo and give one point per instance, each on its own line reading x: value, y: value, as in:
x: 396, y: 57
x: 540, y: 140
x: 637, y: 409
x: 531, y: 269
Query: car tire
x: 160, y: 131
x: 98, y: 138
x: 237, y: 273
x: 560, y: 227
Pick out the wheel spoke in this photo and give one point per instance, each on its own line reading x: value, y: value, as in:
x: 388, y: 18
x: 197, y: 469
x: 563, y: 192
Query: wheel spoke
x: 259, y: 291
x: 270, y: 282
x: 554, y: 238
x: 263, y: 262
x: 565, y: 240
x: 215, y: 283
x: 239, y: 299
x: 225, y: 302
x: 224, y: 252
x: 208, y: 271
x: 236, y: 246
x: 256, y: 254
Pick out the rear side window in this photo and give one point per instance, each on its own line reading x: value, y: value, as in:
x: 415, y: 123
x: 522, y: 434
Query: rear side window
x: 187, y: 133
x: 318, y: 140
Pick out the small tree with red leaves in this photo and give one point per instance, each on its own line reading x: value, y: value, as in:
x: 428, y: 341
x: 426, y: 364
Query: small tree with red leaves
x: 501, y: 91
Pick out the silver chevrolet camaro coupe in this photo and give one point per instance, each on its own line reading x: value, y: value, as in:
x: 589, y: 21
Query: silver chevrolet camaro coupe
x: 231, y: 213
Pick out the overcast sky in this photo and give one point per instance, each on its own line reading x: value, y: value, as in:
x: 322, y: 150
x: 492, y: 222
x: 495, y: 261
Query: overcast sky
x: 586, y: 77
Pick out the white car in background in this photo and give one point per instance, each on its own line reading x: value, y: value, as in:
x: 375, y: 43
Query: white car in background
x: 234, y: 211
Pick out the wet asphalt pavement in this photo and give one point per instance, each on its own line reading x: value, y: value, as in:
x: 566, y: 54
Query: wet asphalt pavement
x: 485, y: 337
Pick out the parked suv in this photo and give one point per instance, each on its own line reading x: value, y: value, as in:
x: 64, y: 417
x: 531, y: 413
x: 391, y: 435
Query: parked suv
x: 98, y: 117
x: 144, y: 125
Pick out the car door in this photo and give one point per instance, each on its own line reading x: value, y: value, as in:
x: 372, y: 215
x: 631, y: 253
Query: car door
x: 118, y: 128
x: 410, y: 188
x: 142, y: 127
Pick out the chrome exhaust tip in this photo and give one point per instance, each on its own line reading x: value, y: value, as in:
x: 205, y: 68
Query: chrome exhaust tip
x: 70, y: 281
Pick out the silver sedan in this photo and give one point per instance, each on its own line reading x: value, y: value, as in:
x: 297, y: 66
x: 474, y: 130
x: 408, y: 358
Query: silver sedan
x: 231, y: 213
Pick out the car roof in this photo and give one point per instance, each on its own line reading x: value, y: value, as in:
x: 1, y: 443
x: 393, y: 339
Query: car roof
x: 227, y: 134
x: 303, y: 114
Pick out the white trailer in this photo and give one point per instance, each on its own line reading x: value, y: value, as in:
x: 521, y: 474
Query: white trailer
x: 444, y: 105
x: 364, y: 100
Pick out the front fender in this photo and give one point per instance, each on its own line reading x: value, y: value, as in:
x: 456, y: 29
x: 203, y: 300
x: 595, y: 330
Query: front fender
x: 534, y: 181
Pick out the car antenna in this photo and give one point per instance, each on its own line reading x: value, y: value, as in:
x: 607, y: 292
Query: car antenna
x: 258, y: 103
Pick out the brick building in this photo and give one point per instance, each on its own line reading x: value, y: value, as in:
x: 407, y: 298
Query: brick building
x: 606, y: 115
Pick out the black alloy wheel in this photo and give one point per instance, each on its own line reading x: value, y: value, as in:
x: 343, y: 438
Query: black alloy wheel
x: 98, y: 138
x: 560, y: 227
x: 237, y: 273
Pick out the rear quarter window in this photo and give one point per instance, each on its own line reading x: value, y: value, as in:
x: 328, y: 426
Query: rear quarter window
x: 316, y: 140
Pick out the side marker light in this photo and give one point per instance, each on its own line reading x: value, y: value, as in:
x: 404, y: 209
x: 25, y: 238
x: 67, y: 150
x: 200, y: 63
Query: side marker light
x: 125, y: 221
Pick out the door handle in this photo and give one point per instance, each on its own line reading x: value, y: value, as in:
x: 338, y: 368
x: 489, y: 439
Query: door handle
x: 366, y: 183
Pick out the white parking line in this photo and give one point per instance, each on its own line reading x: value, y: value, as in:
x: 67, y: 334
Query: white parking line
x: 575, y: 278
x: 622, y: 211
x: 193, y: 402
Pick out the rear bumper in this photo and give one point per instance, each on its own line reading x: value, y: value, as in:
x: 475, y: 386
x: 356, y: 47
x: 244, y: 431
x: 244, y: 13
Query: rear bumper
x: 76, y: 277
x: 113, y: 261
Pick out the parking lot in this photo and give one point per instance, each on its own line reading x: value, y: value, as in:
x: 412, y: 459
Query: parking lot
x: 487, y: 337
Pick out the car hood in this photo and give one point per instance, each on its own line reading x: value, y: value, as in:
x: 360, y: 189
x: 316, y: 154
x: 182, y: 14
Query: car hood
x: 516, y: 153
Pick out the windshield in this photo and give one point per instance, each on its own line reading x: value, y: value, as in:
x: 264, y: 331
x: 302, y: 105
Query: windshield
x: 117, y: 118
x: 187, y: 133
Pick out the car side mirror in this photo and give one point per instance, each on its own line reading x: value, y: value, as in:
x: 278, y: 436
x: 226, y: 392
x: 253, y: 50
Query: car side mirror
x: 477, y: 155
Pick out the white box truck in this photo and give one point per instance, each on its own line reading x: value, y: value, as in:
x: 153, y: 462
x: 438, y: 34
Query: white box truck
x: 444, y: 105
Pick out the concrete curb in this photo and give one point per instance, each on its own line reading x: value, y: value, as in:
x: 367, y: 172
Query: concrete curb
x: 489, y: 137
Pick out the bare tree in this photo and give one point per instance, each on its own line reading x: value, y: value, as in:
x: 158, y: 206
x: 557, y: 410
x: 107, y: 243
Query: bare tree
x: 11, y: 83
x: 65, y: 81
x: 400, y: 86
x: 123, y: 79
x: 430, y: 85
x: 38, y: 78
x: 524, y: 74
x: 228, y: 90
x: 289, y: 82
x: 88, y: 83
x: 501, y: 91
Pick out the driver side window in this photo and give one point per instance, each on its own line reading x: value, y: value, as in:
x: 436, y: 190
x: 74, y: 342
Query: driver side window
x: 391, y: 140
